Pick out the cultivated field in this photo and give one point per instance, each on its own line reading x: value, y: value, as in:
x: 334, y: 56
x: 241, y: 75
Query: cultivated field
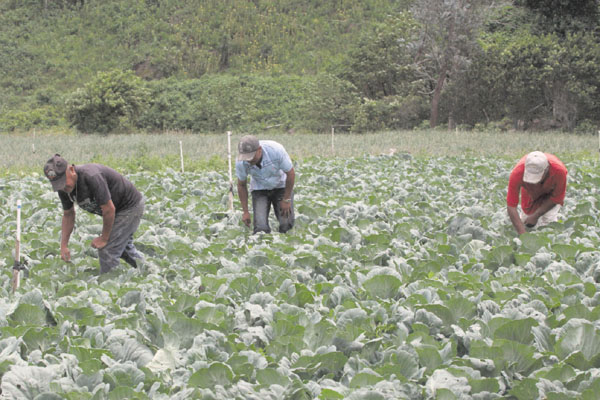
x: 403, y: 277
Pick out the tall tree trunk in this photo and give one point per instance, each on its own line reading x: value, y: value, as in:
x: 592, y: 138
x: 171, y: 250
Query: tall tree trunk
x: 437, y: 93
x: 445, y: 68
x: 564, y: 108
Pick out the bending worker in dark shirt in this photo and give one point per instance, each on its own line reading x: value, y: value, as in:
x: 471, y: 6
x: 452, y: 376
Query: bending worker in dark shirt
x: 100, y: 190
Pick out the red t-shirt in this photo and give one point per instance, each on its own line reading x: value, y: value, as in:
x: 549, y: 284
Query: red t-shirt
x: 554, y: 186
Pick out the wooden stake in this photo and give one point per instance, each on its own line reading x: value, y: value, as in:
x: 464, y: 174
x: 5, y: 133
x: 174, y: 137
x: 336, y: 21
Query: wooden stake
x: 17, y: 265
x: 230, y: 175
x: 181, y: 155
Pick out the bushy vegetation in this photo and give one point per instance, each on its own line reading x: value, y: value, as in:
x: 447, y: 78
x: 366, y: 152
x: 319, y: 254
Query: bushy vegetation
x: 111, y: 101
x: 249, y: 102
x: 370, y: 65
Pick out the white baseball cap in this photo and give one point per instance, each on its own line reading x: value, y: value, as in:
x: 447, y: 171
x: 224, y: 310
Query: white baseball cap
x: 536, y: 164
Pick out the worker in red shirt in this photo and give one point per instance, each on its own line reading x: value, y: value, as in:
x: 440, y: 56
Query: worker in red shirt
x: 541, y: 178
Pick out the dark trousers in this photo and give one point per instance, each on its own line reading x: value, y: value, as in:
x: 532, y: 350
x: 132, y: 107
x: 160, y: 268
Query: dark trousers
x: 120, y: 242
x: 261, y: 206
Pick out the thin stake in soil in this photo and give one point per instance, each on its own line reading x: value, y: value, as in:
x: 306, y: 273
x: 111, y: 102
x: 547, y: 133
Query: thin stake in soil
x: 17, y: 264
x: 181, y: 155
x: 332, y: 136
x: 230, y: 176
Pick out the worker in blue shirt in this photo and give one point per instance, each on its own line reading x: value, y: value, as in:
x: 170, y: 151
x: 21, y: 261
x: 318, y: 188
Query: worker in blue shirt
x: 272, y: 182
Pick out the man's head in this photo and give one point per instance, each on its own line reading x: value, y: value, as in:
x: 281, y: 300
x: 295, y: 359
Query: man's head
x: 536, y: 165
x: 248, y: 148
x: 55, y: 170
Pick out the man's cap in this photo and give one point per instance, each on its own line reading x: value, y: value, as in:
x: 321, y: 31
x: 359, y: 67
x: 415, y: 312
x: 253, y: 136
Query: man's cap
x: 247, y: 147
x: 54, y: 170
x: 536, y: 164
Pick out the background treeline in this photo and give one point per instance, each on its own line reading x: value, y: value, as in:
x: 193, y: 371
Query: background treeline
x: 367, y: 65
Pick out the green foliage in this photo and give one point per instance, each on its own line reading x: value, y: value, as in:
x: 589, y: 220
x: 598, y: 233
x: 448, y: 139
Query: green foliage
x: 62, y: 46
x: 535, y: 74
x: 216, y: 103
x: 528, y: 74
x: 505, y: 80
x: 111, y: 101
x: 536, y: 67
x: 576, y: 65
x: 562, y: 17
x: 215, y: 374
x: 529, y: 78
x: 217, y: 312
x: 394, y: 112
x: 381, y: 63
x: 31, y: 116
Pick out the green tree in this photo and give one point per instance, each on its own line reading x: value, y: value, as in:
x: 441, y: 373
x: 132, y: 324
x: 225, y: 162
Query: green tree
x: 571, y: 76
x: 527, y: 76
x: 445, y: 44
x: 381, y: 63
x: 504, y: 81
x: 574, y: 78
x: 112, y: 100
x: 563, y: 16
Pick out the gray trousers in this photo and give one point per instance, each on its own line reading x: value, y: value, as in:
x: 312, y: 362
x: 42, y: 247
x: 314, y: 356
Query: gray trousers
x: 261, y: 205
x: 120, y: 242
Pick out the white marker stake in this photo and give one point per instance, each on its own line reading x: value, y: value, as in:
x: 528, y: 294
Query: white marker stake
x: 15, y: 281
x: 332, y: 135
x: 181, y: 155
x: 230, y: 176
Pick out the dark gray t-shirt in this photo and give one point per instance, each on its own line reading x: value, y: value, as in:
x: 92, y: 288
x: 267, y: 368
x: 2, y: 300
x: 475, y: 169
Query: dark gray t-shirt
x: 96, y: 185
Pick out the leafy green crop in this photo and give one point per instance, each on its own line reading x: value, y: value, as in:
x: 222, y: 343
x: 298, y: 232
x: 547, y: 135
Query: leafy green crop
x: 403, y: 278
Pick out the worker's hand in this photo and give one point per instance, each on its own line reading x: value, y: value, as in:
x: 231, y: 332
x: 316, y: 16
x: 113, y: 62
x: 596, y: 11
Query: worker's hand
x: 530, y: 221
x: 285, y: 207
x: 246, y: 218
x: 65, y: 253
x: 99, y: 242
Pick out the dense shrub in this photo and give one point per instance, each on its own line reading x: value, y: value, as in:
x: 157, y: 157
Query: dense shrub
x: 29, y: 117
x: 111, y: 101
x: 216, y: 103
x: 392, y: 112
x: 381, y: 62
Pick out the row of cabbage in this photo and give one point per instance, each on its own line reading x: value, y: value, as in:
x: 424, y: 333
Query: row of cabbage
x: 403, y: 278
